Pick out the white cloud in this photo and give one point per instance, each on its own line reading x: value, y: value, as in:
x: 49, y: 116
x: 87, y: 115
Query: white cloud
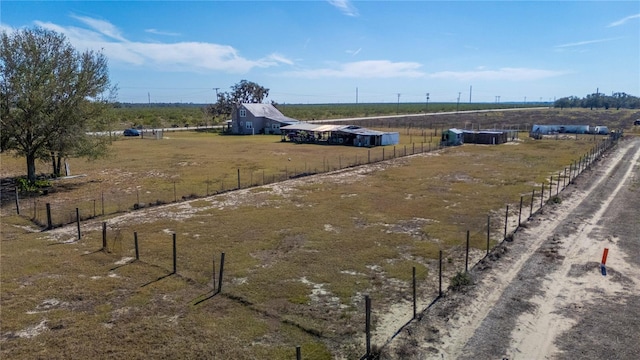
x: 587, y: 42
x: 277, y: 58
x: 509, y: 74
x: 103, y: 27
x: 158, y: 32
x: 179, y: 56
x: 623, y: 20
x: 364, y: 69
x: 353, y: 52
x: 345, y: 6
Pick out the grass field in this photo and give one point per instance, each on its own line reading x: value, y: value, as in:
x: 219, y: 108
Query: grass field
x: 300, y: 254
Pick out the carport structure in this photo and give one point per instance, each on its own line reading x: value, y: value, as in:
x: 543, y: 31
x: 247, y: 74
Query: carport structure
x: 350, y: 135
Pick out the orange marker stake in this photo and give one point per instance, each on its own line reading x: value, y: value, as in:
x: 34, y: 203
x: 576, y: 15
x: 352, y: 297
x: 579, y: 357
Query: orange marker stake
x: 604, y: 256
x: 603, y: 268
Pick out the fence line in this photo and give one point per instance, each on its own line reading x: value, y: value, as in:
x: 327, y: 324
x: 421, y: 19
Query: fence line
x: 575, y: 170
x: 111, y: 203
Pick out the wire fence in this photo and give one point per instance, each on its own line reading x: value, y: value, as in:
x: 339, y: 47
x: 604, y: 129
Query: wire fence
x: 51, y: 214
x: 502, y: 228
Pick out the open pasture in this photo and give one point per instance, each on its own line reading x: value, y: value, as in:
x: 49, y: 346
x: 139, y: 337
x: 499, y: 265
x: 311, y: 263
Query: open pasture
x: 300, y: 254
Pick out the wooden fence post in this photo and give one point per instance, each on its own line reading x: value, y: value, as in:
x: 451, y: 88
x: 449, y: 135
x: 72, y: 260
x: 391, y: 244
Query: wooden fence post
x: 488, y: 232
x: 570, y: 171
x: 78, y: 221
x: 49, y: 221
x: 221, y: 272
x: 175, y: 255
x: 466, y: 257
x: 135, y: 244
x: 104, y: 236
x: 367, y: 326
x: 506, y: 221
x: 298, y: 353
x: 17, y: 202
x: 214, y: 272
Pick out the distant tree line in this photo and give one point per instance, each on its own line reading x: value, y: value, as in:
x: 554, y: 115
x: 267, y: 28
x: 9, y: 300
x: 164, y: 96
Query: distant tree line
x: 619, y: 100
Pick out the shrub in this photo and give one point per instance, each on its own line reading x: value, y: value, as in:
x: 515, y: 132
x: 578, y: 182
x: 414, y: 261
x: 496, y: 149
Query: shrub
x: 460, y: 280
x: 555, y: 200
x: 27, y: 187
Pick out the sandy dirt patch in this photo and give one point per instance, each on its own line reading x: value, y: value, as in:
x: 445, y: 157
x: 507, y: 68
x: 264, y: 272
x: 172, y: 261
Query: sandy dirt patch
x: 543, y: 296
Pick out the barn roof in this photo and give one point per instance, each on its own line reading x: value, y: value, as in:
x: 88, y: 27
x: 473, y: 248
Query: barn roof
x: 268, y: 111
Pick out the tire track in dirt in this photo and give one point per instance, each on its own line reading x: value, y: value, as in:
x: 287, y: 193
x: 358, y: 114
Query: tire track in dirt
x: 542, y: 326
x: 482, y: 322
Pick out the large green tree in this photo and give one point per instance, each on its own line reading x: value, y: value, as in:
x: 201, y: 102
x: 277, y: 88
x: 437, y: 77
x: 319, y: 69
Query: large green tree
x: 50, y: 94
x: 241, y: 93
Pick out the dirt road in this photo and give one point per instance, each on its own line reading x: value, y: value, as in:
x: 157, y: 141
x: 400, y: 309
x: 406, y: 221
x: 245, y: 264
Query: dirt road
x: 543, y: 296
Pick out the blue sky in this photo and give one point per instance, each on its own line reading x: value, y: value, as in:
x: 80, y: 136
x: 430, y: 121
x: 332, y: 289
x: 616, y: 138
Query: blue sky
x: 338, y: 51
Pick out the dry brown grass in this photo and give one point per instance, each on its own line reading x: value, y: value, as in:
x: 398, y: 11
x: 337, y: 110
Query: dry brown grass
x: 299, y: 255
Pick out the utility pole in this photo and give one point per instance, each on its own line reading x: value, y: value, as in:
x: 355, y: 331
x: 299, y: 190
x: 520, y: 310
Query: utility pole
x: 426, y: 108
x: 356, y: 95
x: 398, y: 107
x: 458, y: 103
x: 149, y: 98
x: 216, y: 90
x: 470, y: 88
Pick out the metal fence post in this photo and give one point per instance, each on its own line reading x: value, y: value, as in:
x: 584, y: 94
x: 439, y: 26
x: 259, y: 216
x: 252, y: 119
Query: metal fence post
x: 414, y: 293
x: 520, y: 212
x: 440, y: 275
x: 533, y: 194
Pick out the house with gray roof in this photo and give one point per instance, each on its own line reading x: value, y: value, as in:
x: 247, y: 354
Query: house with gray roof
x: 251, y: 119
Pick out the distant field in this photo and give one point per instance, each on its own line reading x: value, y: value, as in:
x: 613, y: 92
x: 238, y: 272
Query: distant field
x: 155, y: 116
x: 300, y: 255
